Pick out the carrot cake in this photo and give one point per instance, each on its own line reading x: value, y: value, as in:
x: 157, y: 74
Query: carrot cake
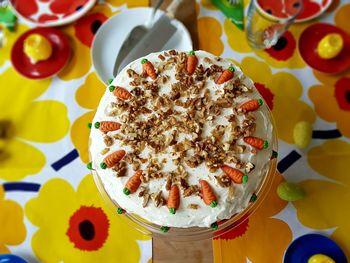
x: 181, y: 139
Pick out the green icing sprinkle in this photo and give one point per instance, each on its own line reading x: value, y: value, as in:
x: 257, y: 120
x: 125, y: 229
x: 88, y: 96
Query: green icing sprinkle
x: 266, y: 144
x: 191, y: 53
x: 261, y: 102
x: 253, y: 198
x: 120, y: 210
x: 231, y: 69
x: 172, y: 211
x: 103, y: 165
x: 97, y: 125
x: 144, y: 60
x: 213, y: 203
x: 89, y: 166
x: 164, y: 229
x: 110, y: 81
x: 89, y: 125
x: 214, y: 226
x: 126, y: 191
x: 111, y: 88
x: 245, y: 179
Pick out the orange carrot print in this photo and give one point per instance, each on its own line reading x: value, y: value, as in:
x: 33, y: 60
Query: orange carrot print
x: 251, y: 105
x: 106, y: 126
x: 111, y: 159
x: 133, y: 183
x: 256, y: 142
x: 226, y: 75
x: 121, y: 93
x: 208, y: 195
x: 236, y: 175
x: 149, y: 68
x: 192, y: 61
x: 173, y: 199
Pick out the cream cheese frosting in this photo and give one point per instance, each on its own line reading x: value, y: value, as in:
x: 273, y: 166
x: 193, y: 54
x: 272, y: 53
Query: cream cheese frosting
x: 192, y: 211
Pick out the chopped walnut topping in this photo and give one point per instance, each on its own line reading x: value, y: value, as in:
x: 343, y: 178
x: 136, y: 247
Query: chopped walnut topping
x: 104, y: 151
x: 120, y: 168
x: 145, y: 199
x: 191, y: 190
x: 176, y: 123
x: 223, y: 180
x: 231, y: 192
x: 158, y: 199
x: 249, y: 167
x: 143, y: 191
x: 193, y: 206
x: 169, y: 181
x: 108, y: 140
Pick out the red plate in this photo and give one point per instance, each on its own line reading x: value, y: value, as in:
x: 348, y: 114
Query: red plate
x: 308, y: 42
x: 311, y: 8
x: 42, y: 69
x: 46, y: 13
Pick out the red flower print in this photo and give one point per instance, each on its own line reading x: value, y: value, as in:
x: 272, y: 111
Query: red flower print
x: 87, y: 26
x: 266, y: 94
x: 342, y: 93
x: 88, y: 228
x: 284, y: 48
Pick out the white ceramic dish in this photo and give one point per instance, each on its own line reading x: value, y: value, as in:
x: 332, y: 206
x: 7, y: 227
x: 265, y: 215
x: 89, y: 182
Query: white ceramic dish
x: 112, y: 33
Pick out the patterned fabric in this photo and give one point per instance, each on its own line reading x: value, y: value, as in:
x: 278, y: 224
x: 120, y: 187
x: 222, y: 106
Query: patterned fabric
x: 294, y: 93
x: 50, y: 210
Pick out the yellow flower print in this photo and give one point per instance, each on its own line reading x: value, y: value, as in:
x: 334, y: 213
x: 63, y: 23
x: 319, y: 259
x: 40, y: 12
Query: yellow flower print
x: 81, y: 35
x: 77, y: 226
x: 209, y: 35
x: 251, y: 242
x: 13, y: 231
x: 10, y: 39
x: 88, y: 96
x: 282, y: 93
x: 284, y: 54
x: 326, y: 201
x: 129, y: 3
x: 331, y: 100
x: 342, y: 18
x: 21, y: 119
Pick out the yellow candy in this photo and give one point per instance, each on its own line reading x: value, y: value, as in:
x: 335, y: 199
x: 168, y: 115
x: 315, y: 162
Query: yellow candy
x: 302, y: 134
x: 37, y: 48
x: 320, y: 258
x: 330, y: 46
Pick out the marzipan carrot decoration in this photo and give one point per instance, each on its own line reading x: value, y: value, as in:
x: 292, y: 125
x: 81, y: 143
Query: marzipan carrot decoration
x: 236, y: 175
x: 133, y: 183
x: 208, y: 195
x: 251, y: 105
x: 149, y: 68
x: 121, y: 93
x: 226, y: 75
x: 256, y: 142
x: 173, y: 199
x: 192, y: 61
x: 111, y: 159
x: 106, y: 126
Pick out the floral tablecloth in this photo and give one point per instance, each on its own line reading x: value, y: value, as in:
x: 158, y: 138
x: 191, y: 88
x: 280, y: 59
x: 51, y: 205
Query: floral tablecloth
x: 50, y: 210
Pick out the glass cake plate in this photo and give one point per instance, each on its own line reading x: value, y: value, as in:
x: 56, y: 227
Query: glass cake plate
x: 201, y: 233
